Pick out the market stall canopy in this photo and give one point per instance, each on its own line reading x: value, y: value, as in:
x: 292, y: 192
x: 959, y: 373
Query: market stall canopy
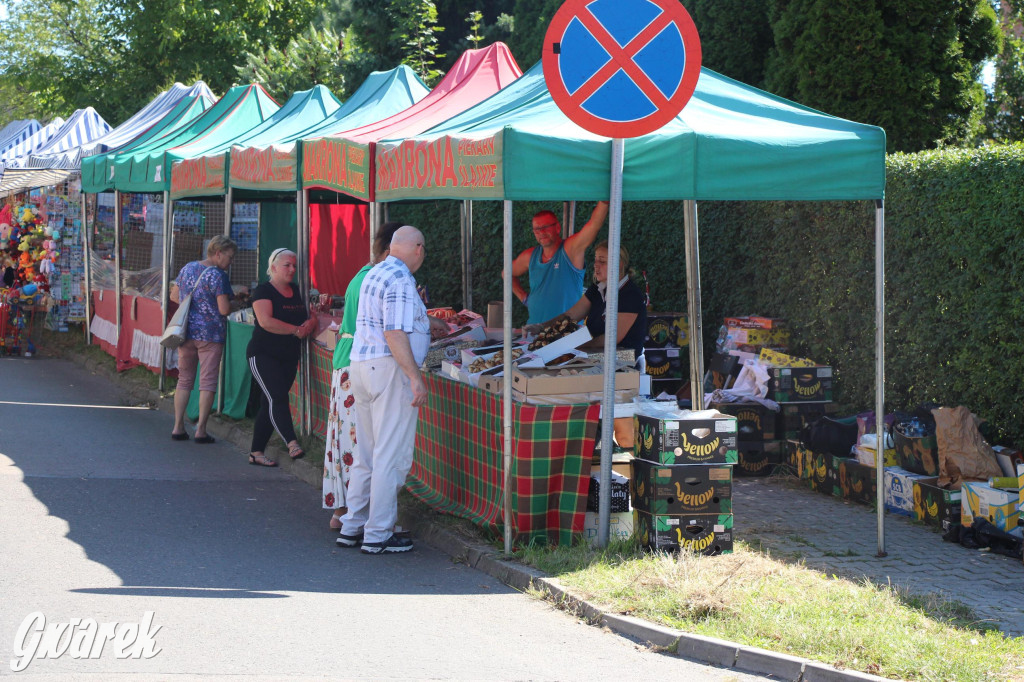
x: 32, y: 142
x: 81, y: 128
x: 148, y: 168
x: 146, y: 117
x: 206, y: 173
x: 731, y: 142
x: 17, y: 131
x: 382, y: 94
x: 98, y: 170
x: 344, y: 162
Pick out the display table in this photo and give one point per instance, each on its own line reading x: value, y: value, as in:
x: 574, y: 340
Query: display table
x: 458, y: 465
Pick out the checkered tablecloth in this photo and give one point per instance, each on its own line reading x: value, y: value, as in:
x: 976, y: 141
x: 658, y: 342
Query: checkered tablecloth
x: 321, y: 366
x: 457, y: 468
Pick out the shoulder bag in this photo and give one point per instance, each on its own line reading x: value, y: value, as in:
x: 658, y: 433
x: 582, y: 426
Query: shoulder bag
x: 177, y: 328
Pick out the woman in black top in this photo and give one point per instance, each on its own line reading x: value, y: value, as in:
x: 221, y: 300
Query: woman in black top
x: 632, y: 323
x: 281, y: 324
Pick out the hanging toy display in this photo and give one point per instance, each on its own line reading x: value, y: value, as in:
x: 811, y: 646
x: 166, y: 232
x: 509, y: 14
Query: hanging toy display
x: 29, y: 251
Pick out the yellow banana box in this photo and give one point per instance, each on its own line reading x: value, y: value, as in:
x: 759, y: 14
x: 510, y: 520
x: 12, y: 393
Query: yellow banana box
x: 800, y: 384
x: 667, y: 330
x: 777, y: 359
x: 760, y: 458
x: 899, y: 490
x: 708, y: 534
x: 936, y: 506
x: 665, y: 363
x: 685, y: 441
x: 980, y: 500
x: 681, y: 488
x: 918, y: 455
x: 855, y: 481
x: 800, y: 459
x: 792, y: 417
x: 824, y: 474
x: 754, y: 421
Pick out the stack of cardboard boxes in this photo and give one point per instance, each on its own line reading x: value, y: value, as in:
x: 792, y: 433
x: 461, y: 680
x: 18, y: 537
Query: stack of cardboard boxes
x: 682, y: 482
x: 802, y: 388
x: 666, y: 350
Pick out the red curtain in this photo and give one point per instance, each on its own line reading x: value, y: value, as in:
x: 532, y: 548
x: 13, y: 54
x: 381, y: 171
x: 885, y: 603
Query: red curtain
x: 339, y: 245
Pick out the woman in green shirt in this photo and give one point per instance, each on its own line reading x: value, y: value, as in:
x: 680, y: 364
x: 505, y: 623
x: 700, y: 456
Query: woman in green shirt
x: 341, y: 417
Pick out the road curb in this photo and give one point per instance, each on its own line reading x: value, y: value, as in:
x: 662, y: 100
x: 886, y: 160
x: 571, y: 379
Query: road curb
x: 482, y: 557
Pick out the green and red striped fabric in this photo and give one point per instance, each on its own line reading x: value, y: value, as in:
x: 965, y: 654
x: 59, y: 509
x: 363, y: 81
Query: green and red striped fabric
x: 320, y: 395
x: 457, y: 468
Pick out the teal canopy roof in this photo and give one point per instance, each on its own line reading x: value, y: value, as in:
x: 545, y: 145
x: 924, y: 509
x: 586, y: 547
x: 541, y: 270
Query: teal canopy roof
x: 730, y: 142
x: 148, y: 168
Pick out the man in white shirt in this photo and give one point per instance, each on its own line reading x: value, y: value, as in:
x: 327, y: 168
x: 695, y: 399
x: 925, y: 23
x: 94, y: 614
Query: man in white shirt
x: 391, y: 341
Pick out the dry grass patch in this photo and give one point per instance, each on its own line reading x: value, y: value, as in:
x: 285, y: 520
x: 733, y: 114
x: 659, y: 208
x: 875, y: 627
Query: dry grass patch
x: 751, y: 598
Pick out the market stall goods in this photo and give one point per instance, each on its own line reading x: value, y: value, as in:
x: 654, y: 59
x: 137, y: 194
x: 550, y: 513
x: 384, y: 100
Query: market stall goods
x: 556, y: 330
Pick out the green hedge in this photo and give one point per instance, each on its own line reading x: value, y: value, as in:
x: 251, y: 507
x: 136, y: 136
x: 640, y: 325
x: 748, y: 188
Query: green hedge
x: 954, y: 270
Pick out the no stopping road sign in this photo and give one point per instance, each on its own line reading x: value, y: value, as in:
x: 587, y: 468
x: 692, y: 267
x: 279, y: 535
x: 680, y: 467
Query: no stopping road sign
x: 621, y: 68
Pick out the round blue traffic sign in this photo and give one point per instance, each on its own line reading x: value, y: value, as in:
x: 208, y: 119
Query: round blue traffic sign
x: 621, y: 68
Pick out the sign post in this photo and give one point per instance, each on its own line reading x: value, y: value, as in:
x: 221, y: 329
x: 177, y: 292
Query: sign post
x: 619, y: 68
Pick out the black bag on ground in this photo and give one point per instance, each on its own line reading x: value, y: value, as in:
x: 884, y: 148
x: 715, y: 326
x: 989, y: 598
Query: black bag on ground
x: 833, y: 436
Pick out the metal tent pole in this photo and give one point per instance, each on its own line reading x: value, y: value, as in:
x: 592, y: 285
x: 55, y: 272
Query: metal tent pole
x: 568, y: 219
x: 305, y: 395
x: 506, y: 384
x: 165, y: 282
x: 880, y: 370
x: 693, y: 305
x: 86, y: 258
x: 611, y: 336
x: 222, y: 370
x: 467, y: 251
x: 117, y: 271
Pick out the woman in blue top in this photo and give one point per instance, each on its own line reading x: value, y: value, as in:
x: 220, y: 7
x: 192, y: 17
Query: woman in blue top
x: 207, y: 281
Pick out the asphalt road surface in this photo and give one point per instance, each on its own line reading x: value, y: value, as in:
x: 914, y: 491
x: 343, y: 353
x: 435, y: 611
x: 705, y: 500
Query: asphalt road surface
x: 104, y: 517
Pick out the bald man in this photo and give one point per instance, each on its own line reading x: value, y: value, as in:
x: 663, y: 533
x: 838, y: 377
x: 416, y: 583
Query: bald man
x: 391, y: 341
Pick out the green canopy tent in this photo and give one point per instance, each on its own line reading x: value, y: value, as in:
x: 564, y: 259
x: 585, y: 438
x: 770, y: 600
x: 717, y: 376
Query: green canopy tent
x: 731, y: 142
x: 263, y: 163
x: 97, y: 173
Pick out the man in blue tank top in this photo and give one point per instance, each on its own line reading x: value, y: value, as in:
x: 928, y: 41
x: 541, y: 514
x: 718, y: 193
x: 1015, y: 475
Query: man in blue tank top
x: 555, y: 265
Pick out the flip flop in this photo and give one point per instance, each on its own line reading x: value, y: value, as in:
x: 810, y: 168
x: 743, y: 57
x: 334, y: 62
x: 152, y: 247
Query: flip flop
x: 296, y: 452
x: 179, y: 436
x: 261, y: 461
x: 202, y: 440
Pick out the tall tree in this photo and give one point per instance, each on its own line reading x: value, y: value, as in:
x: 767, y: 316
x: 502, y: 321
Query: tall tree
x: 1004, y: 112
x: 909, y: 66
x: 51, y: 54
x: 315, y: 57
x: 735, y: 37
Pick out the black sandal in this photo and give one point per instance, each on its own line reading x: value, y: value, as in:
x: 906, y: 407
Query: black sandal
x: 205, y: 439
x: 261, y: 460
x: 296, y: 452
x: 179, y: 436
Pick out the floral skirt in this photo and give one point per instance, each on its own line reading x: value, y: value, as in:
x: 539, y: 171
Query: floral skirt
x: 341, y: 439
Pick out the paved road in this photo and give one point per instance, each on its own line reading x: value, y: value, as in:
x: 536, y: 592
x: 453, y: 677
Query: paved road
x: 841, y: 537
x: 102, y: 516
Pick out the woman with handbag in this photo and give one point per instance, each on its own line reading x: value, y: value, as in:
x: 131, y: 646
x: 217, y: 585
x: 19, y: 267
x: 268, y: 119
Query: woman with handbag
x: 282, y: 322
x: 205, y: 332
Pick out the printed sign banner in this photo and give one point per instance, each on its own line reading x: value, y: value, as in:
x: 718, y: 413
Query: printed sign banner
x: 266, y: 168
x: 449, y: 167
x: 338, y: 164
x: 203, y: 176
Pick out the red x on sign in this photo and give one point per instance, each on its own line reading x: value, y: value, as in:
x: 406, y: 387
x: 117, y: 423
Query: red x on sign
x: 621, y: 68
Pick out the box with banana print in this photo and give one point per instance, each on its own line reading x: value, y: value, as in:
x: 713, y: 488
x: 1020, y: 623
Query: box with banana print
x: 708, y: 438
x: 707, y: 534
x: 936, y: 506
x: 681, y: 488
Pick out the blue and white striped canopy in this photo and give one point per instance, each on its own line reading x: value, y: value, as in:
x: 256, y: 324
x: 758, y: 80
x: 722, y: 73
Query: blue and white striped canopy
x: 17, y: 131
x: 144, y: 118
x: 63, y: 150
x: 34, y: 141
